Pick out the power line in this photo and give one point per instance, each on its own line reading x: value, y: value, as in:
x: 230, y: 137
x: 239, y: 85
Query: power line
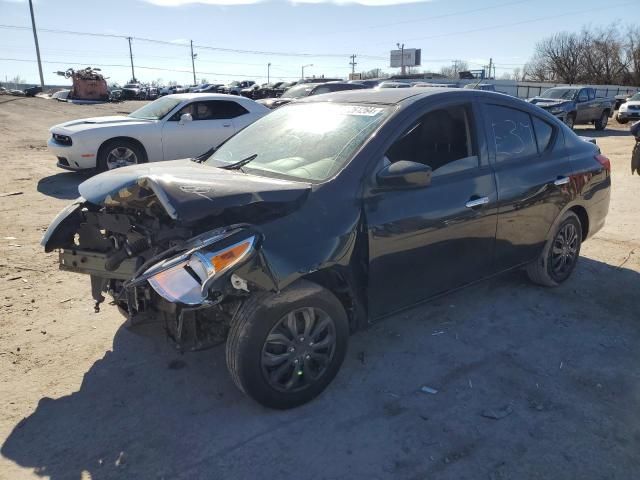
x: 433, y: 17
x: 142, y: 67
x: 204, y: 47
x: 523, y: 22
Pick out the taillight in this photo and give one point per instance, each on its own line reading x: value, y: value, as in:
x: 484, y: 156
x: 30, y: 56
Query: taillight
x: 604, y: 161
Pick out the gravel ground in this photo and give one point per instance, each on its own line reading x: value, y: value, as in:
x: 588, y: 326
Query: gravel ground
x: 84, y: 397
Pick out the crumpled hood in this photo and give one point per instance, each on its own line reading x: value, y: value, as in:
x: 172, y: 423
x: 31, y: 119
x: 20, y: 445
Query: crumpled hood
x: 548, y: 102
x: 188, y: 191
x: 97, y: 122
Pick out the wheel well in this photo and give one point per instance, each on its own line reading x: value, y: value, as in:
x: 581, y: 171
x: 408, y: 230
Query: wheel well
x: 128, y: 139
x: 337, y: 284
x: 584, y: 219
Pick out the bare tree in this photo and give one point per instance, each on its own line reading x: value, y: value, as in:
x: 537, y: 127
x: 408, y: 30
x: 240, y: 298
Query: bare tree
x: 562, y: 55
x: 452, y: 71
x: 596, y: 56
x: 602, y: 56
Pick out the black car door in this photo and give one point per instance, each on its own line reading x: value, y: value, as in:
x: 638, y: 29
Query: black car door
x: 428, y: 240
x: 532, y: 175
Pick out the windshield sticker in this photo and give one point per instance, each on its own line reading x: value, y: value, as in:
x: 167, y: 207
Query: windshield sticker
x: 362, y: 111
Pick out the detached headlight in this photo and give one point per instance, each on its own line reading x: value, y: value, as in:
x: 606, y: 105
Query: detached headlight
x: 556, y: 110
x: 186, y: 278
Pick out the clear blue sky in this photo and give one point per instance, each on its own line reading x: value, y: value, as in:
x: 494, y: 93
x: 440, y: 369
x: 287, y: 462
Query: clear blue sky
x: 469, y: 30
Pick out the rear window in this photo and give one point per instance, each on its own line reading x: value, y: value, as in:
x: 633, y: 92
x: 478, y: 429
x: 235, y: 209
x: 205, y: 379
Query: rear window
x: 544, y: 132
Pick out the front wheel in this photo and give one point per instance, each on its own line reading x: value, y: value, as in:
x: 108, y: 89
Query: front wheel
x: 622, y: 121
x: 570, y: 121
x: 118, y: 153
x: 284, y: 349
x: 560, y: 255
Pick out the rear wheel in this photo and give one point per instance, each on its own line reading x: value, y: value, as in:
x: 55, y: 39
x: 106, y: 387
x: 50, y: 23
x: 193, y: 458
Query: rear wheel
x: 560, y: 255
x: 602, y: 122
x: 118, y: 153
x: 284, y: 349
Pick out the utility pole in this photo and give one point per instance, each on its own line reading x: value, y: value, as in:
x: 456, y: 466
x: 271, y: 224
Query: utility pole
x: 268, y: 71
x: 353, y: 64
x: 490, y: 67
x: 303, y: 67
x: 133, y: 73
x: 35, y: 38
x: 401, y: 48
x: 193, y: 62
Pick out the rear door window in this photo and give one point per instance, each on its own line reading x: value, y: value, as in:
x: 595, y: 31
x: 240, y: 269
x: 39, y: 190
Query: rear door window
x: 511, y: 133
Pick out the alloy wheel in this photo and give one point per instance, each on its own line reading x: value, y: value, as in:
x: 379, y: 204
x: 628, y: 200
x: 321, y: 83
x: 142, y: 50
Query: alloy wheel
x: 298, y: 349
x: 121, y: 157
x: 564, y: 251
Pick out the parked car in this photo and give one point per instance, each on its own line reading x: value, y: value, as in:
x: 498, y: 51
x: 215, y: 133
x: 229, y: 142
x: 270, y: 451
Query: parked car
x: 329, y: 214
x: 174, y: 126
x: 320, y: 80
x: 309, y: 89
x: 392, y: 84
x: 370, y: 83
x: 630, y: 110
x: 133, y: 91
x: 576, y: 106
x: 487, y: 87
x: 234, y: 88
x: 32, y: 91
x: 210, y: 88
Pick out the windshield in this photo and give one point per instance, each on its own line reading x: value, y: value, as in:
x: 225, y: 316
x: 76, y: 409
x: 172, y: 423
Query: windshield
x: 298, y: 91
x: 310, y: 141
x: 635, y: 98
x: 560, y: 93
x: 156, y: 109
x: 131, y: 85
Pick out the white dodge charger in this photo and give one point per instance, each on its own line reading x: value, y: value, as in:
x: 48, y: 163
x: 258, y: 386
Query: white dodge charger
x: 172, y: 127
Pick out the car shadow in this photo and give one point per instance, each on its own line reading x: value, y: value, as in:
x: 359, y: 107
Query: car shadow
x: 590, y: 132
x: 146, y: 411
x: 63, y: 185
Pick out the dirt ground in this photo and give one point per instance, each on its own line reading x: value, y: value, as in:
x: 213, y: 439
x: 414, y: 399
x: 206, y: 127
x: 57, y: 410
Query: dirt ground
x: 83, y: 397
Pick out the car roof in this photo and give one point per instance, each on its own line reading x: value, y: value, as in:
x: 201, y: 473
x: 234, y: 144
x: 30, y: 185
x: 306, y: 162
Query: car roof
x: 394, y: 96
x: 207, y: 96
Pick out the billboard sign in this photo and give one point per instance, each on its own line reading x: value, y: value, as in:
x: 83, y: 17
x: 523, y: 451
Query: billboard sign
x: 412, y: 57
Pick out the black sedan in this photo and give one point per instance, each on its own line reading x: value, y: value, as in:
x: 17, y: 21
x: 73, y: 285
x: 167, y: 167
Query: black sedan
x: 332, y: 213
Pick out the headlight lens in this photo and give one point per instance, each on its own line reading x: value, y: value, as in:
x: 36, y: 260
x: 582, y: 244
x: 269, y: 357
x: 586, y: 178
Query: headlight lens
x: 186, y: 278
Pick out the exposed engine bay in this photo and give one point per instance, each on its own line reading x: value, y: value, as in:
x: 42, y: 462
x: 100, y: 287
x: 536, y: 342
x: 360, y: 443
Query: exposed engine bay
x: 155, y: 269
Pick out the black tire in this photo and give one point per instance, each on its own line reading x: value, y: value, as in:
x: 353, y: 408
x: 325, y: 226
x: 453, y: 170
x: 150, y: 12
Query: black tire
x: 542, y: 271
x: 621, y: 121
x: 602, y: 122
x: 247, y: 344
x: 570, y: 121
x: 110, y: 145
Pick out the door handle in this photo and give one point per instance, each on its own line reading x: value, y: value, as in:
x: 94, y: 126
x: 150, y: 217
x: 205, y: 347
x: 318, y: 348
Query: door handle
x: 561, y: 181
x: 477, y: 202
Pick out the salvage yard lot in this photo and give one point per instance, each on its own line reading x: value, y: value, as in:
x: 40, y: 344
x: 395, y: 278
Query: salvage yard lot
x: 84, y: 397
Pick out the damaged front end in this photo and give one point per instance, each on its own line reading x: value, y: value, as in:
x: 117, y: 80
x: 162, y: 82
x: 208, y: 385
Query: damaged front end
x: 135, y: 245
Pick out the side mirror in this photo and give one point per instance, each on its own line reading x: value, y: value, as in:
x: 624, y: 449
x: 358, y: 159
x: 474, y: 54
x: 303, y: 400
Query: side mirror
x: 185, y: 118
x: 404, y: 174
